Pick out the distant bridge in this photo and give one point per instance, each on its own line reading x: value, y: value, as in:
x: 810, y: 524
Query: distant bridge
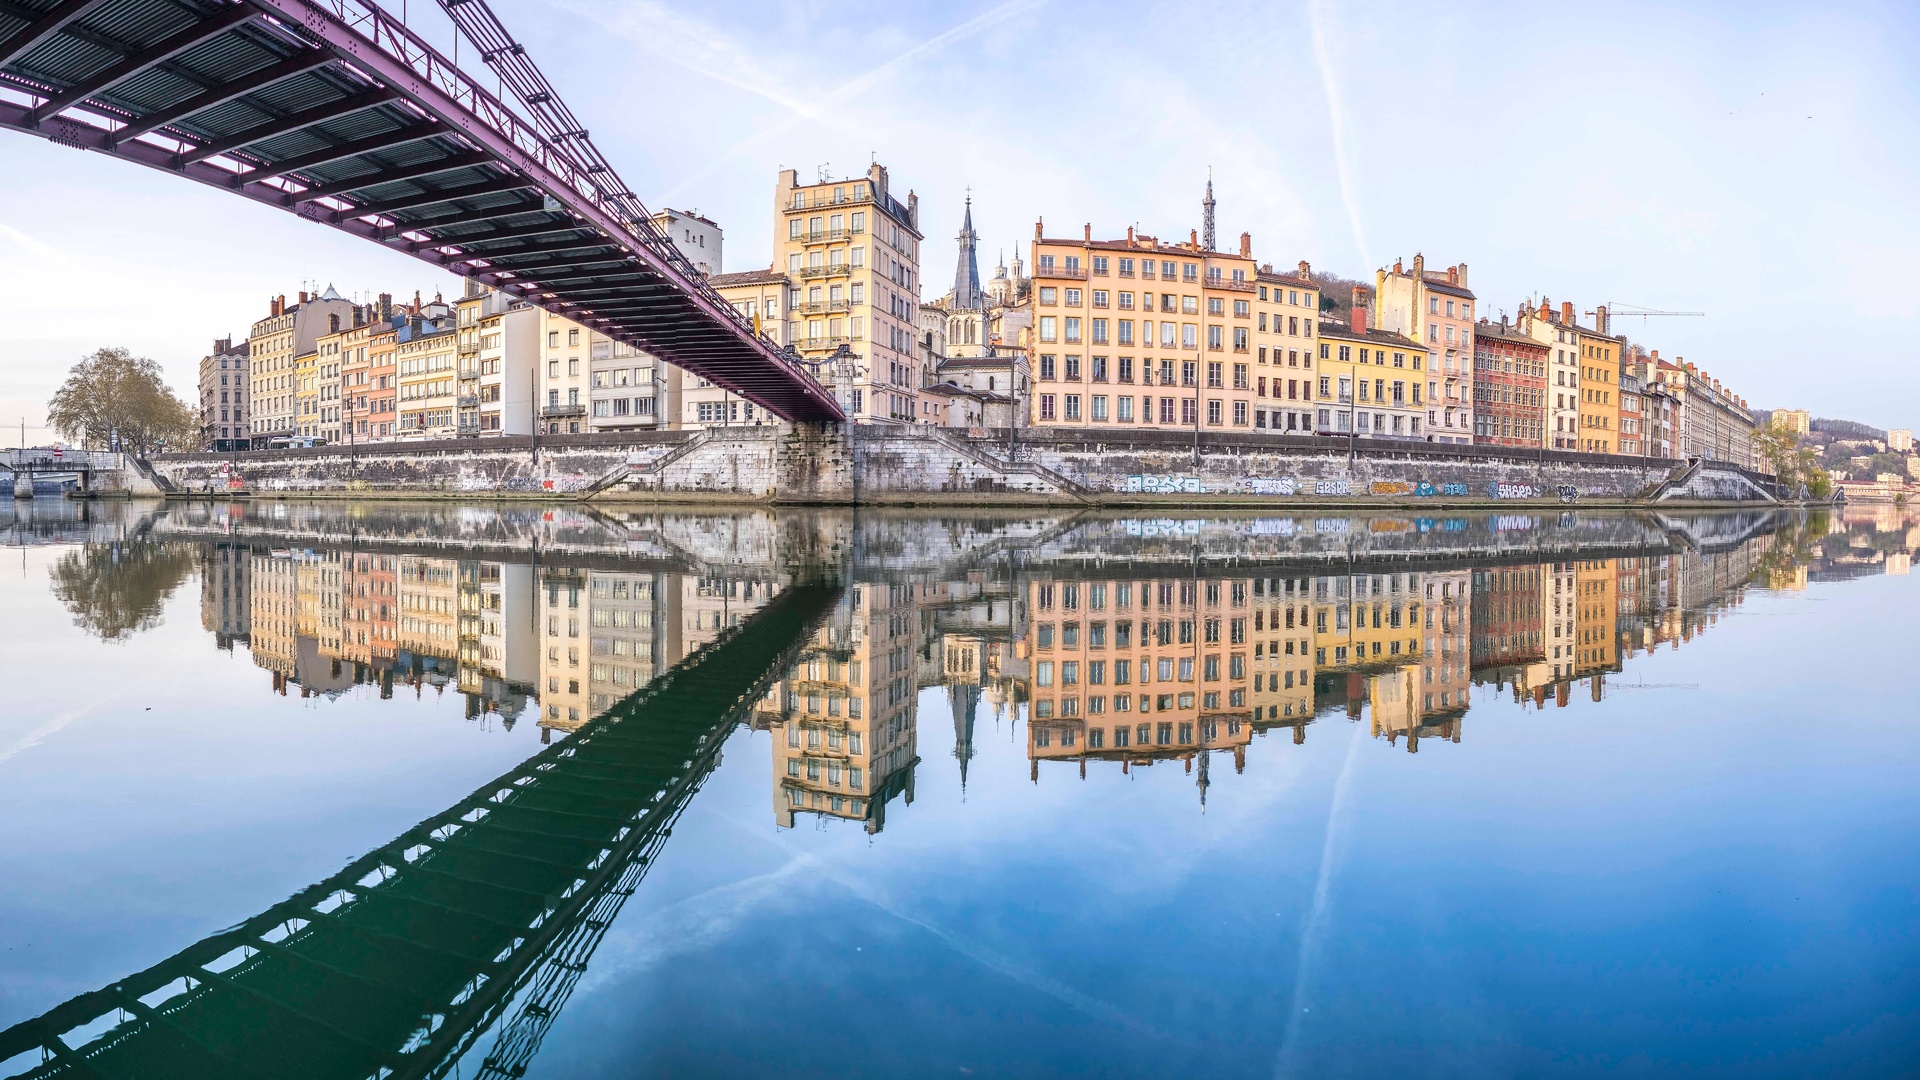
x: 398, y: 964
x: 336, y: 111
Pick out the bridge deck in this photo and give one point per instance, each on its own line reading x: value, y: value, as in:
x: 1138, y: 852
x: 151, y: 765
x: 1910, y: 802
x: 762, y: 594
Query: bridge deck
x: 334, y: 110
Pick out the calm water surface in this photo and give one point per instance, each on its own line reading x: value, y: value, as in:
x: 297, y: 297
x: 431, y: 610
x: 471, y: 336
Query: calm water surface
x: 344, y: 791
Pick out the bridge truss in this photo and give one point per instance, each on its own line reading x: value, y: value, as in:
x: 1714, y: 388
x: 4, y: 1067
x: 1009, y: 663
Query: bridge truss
x: 336, y: 111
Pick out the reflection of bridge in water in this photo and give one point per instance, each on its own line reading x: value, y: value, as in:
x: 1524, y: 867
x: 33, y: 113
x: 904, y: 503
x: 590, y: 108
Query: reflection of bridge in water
x: 399, y: 963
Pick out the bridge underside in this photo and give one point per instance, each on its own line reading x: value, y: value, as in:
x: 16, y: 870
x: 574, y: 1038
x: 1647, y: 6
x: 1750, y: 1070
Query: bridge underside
x: 333, y: 110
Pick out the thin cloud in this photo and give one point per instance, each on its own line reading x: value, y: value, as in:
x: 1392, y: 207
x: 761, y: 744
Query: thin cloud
x: 1332, y: 850
x: 979, y: 23
x: 1317, y: 18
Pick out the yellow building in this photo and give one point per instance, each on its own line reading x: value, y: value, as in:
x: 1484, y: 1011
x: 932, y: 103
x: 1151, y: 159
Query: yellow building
x: 1371, y: 382
x: 852, y: 254
x: 288, y: 331
x: 1555, y: 330
x: 1599, y: 366
x: 1173, y: 321
x: 427, y: 375
x: 1285, y: 322
x: 565, y: 610
x: 306, y: 395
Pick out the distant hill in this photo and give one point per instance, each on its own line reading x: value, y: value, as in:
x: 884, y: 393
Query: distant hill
x: 1847, y: 429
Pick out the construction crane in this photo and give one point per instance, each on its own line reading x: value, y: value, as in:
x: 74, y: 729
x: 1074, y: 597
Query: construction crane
x: 1603, y: 315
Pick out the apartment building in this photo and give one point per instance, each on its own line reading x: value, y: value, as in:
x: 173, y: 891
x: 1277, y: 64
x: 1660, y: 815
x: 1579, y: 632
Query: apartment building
x: 426, y: 374
x: 1436, y: 309
x: 507, y: 363
x: 289, y: 331
x: 1509, y: 386
x: 1288, y: 312
x: 381, y: 407
x: 566, y: 348
x: 343, y: 361
x: 1555, y: 330
x: 1370, y: 382
x: 853, y: 253
x: 306, y: 395
x: 1599, y: 396
x: 224, y: 380
x: 1193, y: 346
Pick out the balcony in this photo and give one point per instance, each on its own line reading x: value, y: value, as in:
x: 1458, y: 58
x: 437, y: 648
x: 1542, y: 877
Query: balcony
x: 826, y: 236
x: 552, y: 412
x: 1061, y: 272
x: 850, y: 200
x: 825, y: 307
x: 823, y: 342
x: 469, y: 401
x: 833, y: 270
x: 1229, y: 284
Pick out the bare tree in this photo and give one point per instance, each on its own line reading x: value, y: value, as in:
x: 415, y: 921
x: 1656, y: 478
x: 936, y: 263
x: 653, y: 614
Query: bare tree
x: 114, y: 393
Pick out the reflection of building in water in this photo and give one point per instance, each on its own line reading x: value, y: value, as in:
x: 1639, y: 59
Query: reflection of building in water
x: 226, y: 603
x: 369, y: 616
x: 1595, y: 616
x: 427, y: 626
x: 1446, y: 671
x: 275, y: 611
x: 1282, y: 691
x: 499, y: 636
x: 843, y: 721
x: 1506, y: 619
x: 627, y: 614
x: 1138, y: 670
x: 563, y: 697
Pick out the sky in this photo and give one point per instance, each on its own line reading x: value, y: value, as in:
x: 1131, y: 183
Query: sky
x: 1755, y: 162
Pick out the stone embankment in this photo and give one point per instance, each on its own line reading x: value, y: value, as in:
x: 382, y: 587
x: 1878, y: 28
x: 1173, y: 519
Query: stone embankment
x: 912, y: 465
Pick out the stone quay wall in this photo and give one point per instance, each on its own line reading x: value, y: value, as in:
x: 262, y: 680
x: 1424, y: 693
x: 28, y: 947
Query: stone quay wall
x: 921, y: 465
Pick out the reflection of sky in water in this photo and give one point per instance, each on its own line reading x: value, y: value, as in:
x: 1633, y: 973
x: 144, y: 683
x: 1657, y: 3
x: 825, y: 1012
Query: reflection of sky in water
x: 1708, y: 873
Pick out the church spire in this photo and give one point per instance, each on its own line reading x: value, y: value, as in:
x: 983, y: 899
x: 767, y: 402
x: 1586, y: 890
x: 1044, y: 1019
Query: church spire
x: 966, y: 275
x: 1206, y: 217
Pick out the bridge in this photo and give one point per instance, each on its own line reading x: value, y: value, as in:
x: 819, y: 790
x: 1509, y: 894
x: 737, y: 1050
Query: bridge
x: 482, y: 917
x: 336, y: 111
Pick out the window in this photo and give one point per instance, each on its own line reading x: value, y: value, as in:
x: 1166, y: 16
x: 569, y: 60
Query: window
x: 1073, y: 295
x: 1049, y: 328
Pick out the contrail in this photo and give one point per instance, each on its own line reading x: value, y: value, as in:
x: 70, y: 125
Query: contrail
x: 983, y: 21
x: 1314, y: 924
x: 1336, y: 115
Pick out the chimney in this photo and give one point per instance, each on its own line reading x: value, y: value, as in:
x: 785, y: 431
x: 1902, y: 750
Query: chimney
x: 1038, y: 224
x: 303, y: 296
x: 1397, y: 268
x: 1462, y: 269
x: 1419, y: 267
x: 1087, y: 233
x: 1129, y: 234
x: 1566, y: 312
x: 1306, y: 271
x: 1246, y: 245
x: 1359, y: 309
x: 280, y: 304
x: 386, y: 307
x: 1193, y: 239
x: 1453, y: 275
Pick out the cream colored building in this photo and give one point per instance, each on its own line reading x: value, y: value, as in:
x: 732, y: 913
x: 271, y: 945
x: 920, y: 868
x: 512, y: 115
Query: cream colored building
x: 1800, y: 422
x: 852, y: 252
x: 1899, y: 440
x: 1436, y: 309
x: 508, y: 364
x: 1554, y: 329
x: 566, y: 350
x: 289, y: 331
x: 427, y: 377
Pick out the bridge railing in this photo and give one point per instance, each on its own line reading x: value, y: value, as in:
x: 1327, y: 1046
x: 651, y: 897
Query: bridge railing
x: 566, y: 152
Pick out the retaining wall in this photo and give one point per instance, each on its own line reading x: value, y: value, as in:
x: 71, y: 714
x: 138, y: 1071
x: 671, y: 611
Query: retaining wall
x: 909, y: 465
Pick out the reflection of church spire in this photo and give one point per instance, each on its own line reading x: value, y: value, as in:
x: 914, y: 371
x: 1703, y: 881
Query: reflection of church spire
x: 966, y: 276
x: 965, y: 703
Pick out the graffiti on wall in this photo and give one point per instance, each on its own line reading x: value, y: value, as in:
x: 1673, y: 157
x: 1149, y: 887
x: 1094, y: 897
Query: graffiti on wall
x: 1164, y: 485
x: 1510, y: 491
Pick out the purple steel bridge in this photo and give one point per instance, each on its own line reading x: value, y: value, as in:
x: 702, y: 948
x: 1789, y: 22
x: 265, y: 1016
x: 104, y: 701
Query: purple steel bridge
x: 336, y: 111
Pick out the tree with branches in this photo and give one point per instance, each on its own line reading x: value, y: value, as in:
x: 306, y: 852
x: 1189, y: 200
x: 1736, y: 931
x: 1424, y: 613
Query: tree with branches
x: 115, y: 394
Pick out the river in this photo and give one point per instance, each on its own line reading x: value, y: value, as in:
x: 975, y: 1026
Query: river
x: 343, y: 790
